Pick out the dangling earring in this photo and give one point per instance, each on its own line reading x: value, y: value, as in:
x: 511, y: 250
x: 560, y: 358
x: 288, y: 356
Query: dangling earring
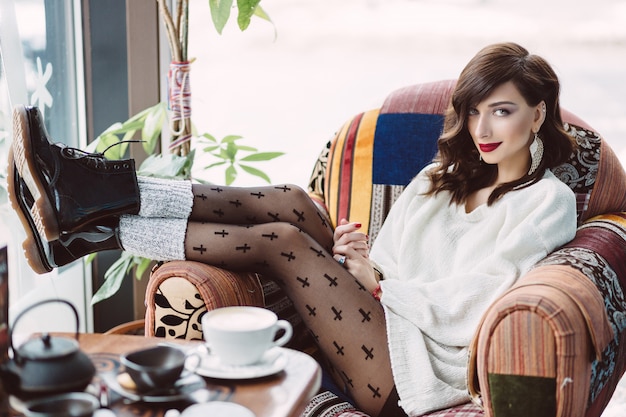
x: 536, y: 154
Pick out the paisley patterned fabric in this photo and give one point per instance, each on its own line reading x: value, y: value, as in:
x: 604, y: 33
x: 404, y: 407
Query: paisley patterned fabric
x: 580, y: 172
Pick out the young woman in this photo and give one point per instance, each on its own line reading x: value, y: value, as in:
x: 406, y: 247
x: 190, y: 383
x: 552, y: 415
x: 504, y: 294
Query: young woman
x: 396, y: 321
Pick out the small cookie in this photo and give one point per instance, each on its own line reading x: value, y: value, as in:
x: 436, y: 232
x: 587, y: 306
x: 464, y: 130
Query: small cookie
x: 126, y: 382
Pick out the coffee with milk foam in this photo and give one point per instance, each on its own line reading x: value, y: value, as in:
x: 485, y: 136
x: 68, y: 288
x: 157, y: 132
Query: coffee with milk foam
x: 239, y: 320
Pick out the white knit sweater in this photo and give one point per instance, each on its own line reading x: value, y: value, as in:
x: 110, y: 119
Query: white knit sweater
x: 443, y: 267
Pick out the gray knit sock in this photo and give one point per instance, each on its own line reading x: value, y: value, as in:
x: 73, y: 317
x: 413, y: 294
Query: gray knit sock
x: 164, y: 197
x: 155, y: 238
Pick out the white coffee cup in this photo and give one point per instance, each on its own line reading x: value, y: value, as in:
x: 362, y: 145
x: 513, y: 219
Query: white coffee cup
x: 240, y: 335
x: 213, y: 408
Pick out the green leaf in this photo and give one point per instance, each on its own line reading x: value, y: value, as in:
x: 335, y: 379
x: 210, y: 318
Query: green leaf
x: 131, y: 125
x: 209, y: 137
x: 255, y: 172
x: 115, y: 152
x: 188, y: 165
x: 142, y: 267
x: 210, y: 148
x: 214, y: 164
x: 89, y: 258
x: 220, y: 12
x: 4, y: 195
x: 259, y: 12
x: 262, y: 156
x: 246, y: 148
x: 124, y: 146
x: 230, y: 175
x: 91, y: 147
x: 246, y: 11
x: 224, y: 155
x: 164, y: 166
x: 231, y: 138
x: 113, y: 278
x: 152, y: 128
x: 231, y: 151
x: 143, y: 113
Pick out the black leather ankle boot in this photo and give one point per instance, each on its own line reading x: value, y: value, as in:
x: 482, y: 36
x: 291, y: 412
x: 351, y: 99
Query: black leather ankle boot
x: 70, y: 188
x: 43, y: 256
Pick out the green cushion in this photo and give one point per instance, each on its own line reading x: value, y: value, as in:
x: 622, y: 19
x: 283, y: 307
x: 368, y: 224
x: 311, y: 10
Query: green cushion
x: 522, y: 396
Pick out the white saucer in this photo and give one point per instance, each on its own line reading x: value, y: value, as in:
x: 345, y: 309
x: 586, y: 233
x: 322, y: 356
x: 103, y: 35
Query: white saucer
x: 217, y: 408
x: 182, y: 390
x: 272, y: 362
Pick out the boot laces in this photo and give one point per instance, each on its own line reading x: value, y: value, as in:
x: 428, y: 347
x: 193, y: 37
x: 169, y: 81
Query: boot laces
x: 96, y: 158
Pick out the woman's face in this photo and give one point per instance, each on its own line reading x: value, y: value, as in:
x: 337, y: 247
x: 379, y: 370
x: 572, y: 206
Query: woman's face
x: 502, y: 127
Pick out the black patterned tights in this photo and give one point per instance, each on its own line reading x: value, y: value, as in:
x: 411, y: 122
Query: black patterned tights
x: 277, y: 231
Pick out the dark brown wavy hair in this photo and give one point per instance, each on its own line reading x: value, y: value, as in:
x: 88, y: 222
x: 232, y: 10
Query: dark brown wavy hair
x: 459, y: 169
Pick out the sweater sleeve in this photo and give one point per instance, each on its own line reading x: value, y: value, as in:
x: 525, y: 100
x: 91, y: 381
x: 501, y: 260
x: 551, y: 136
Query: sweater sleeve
x: 530, y: 224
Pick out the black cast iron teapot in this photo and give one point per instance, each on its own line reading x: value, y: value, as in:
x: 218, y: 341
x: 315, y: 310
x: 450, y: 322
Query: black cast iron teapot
x: 46, y: 364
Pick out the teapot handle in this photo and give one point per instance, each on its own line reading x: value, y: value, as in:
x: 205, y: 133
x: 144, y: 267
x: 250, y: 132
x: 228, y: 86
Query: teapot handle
x: 37, y: 304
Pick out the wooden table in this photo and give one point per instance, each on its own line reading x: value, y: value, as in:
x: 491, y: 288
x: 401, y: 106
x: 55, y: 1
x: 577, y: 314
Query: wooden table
x: 282, y: 395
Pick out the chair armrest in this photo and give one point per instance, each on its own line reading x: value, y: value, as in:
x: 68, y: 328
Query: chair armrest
x: 565, y: 321
x: 179, y: 292
x: 539, y: 329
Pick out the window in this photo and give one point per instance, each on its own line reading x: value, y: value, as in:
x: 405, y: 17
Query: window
x: 40, y: 45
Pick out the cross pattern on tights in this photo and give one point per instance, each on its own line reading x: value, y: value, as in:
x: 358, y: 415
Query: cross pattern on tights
x: 278, y: 231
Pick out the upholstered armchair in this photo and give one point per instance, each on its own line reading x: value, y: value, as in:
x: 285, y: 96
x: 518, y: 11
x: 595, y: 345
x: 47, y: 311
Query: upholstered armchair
x: 554, y: 345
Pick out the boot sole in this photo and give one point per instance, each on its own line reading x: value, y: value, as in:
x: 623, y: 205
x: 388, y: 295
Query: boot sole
x: 42, y: 212
x: 32, y: 245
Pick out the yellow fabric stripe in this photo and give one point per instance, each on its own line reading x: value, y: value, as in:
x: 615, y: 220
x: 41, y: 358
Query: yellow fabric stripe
x: 333, y: 168
x: 615, y: 218
x: 355, y: 201
x: 361, y: 190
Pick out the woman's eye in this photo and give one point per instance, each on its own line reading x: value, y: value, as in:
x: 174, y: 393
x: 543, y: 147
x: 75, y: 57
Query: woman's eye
x: 472, y: 112
x: 501, y: 112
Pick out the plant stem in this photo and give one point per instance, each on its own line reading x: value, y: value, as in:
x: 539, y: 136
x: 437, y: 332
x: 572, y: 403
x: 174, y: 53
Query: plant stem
x: 179, y: 13
x: 171, y: 30
x: 177, y: 35
x: 184, y: 29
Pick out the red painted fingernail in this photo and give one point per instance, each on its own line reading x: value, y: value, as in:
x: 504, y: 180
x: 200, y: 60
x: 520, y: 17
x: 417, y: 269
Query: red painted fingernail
x: 358, y: 224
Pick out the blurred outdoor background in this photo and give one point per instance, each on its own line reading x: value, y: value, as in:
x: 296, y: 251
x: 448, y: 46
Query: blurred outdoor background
x: 290, y: 86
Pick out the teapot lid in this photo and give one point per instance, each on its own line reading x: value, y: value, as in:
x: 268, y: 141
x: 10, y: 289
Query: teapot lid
x: 46, y: 347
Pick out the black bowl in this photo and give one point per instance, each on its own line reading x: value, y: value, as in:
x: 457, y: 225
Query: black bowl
x: 73, y: 404
x: 154, y: 368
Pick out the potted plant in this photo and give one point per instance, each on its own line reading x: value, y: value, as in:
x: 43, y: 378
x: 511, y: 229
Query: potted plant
x: 177, y: 161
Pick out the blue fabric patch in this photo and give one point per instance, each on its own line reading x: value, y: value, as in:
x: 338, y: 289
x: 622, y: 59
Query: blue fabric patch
x: 404, y: 143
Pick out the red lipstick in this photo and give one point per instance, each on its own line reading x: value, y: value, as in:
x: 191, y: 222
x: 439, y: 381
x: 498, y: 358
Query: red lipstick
x: 488, y: 147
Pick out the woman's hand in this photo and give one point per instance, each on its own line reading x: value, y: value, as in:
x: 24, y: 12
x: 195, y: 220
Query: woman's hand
x: 346, y: 234
x: 351, y: 249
